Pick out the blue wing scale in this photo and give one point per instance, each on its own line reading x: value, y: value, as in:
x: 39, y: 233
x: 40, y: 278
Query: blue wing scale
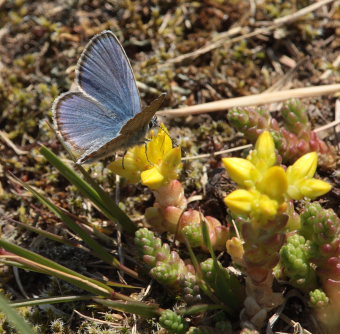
x: 104, y: 72
x: 83, y: 122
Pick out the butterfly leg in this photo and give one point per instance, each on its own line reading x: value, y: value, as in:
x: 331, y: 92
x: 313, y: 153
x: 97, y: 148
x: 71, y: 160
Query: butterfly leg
x: 146, y: 151
x: 123, y: 159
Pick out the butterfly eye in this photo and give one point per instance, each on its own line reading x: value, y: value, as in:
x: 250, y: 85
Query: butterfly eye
x: 153, y: 123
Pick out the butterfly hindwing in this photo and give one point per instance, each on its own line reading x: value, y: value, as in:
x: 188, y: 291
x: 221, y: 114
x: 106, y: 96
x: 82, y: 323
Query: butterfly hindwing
x: 83, y: 122
x: 104, y: 72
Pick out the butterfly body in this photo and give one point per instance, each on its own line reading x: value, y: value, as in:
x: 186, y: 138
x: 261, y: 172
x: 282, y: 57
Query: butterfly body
x: 105, y: 115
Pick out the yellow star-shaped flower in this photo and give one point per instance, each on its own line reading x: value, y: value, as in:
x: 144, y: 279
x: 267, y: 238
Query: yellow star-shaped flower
x: 154, y: 164
x: 266, y: 186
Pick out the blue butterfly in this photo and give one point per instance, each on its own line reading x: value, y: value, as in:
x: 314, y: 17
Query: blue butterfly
x: 105, y: 115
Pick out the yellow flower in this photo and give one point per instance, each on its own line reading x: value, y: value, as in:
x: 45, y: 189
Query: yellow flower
x: 264, y: 155
x: 266, y: 184
x: 154, y: 164
x: 268, y: 187
x: 300, y: 178
x: 132, y: 164
x: 263, y: 207
x: 248, y: 172
x: 252, y: 203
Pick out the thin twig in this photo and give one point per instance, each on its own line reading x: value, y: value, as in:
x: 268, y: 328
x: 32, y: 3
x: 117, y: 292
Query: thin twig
x: 327, y: 126
x: 253, y: 100
x: 108, y: 323
x: 302, y: 12
x: 285, y: 79
x: 19, y: 283
x: 4, y: 137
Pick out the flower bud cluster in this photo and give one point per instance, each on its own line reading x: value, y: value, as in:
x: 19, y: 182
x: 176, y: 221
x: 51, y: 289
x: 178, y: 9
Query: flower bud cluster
x: 167, y: 267
x: 318, y: 298
x: 313, y: 256
x: 173, y: 322
x: 296, y: 261
x: 322, y: 228
x: 293, y: 140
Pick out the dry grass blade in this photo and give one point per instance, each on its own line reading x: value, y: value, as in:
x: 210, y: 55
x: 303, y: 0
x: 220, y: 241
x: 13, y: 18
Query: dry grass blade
x: 207, y: 155
x: 253, y: 100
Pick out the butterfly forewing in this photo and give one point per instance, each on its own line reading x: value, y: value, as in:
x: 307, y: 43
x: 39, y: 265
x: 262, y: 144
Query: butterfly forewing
x: 104, y: 72
x: 83, y: 122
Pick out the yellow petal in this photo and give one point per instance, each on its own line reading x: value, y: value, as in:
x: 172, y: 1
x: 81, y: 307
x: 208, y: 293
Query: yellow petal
x: 131, y: 174
x: 140, y: 155
x: 239, y: 201
x: 264, y: 155
x: 274, y: 183
x: 159, y: 145
x: 314, y: 188
x: 171, y: 163
x: 294, y: 191
x: 167, y: 141
x: 116, y: 166
x: 152, y: 178
x: 242, y: 171
x: 303, y: 168
x: 266, y: 208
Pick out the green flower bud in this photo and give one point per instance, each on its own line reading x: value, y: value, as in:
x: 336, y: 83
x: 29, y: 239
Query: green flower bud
x: 318, y: 298
x: 173, y: 322
x: 296, y: 261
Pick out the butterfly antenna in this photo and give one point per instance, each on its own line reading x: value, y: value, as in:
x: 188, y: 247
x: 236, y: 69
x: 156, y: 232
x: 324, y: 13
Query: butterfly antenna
x: 167, y: 133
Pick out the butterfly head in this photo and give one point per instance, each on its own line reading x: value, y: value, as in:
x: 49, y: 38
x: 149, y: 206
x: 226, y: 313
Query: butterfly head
x: 153, y: 123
